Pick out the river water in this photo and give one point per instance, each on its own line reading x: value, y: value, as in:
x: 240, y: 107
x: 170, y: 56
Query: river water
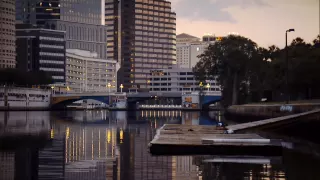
x: 100, y: 145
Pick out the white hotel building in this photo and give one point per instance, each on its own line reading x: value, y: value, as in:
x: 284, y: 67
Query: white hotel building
x: 85, y: 72
x: 190, y: 47
x: 177, y: 79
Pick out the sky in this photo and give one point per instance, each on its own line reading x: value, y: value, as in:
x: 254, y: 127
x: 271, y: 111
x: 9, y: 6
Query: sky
x: 263, y: 21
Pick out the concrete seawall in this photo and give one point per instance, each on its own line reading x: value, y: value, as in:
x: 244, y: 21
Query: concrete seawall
x: 270, y: 110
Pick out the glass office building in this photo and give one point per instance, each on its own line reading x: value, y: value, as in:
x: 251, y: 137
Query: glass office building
x: 82, y: 20
x: 81, y: 11
x: 141, y: 36
x: 83, y: 36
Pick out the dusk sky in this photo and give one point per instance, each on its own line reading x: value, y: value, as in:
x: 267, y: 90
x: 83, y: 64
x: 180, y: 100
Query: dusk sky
x: 263, y: 21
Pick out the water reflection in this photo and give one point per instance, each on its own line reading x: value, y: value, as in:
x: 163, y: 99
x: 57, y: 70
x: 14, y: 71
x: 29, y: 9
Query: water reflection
x: 24, y: 122
x: 94, y: 145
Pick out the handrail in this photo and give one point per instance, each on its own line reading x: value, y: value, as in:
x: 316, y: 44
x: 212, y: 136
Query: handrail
x: 250, y: 125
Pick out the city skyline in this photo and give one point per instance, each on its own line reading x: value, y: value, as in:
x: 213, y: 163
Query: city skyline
x: 220, y: 17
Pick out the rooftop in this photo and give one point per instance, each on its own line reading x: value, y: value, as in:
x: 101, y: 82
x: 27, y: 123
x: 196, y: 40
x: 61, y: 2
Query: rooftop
x: 186, y: 36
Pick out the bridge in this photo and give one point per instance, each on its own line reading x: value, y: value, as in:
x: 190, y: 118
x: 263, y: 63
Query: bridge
x: 107, y: 98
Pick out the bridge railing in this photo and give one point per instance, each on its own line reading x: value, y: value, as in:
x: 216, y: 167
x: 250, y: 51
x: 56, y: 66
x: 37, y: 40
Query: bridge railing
x: 139, y: 94
x: 90, y: 94
x: 212, y: 93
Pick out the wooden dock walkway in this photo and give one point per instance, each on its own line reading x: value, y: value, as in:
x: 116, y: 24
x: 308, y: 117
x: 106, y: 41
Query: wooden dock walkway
x: 174, y: 139
x: 272, y: 121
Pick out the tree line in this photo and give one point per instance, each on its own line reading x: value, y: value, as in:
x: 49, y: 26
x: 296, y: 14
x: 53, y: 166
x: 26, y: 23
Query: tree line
x: 249, y: 73
x: 23, y: 78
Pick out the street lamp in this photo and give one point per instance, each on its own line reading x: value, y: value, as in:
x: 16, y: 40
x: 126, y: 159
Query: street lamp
x: 287, y: 67
x: 200, y: 84
x: 109, y: 86
x: 121, y: 87
x: 200, y: 94
x: 52, y: 89
x: 208, y: 86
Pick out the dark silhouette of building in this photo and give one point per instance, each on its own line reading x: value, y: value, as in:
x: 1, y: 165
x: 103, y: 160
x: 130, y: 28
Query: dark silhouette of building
x: 38, y: 12
x: 41, y: 50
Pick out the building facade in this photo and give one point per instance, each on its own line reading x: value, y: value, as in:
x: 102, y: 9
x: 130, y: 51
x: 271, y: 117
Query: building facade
x: 7, y: 34
x: 141, y: 36
x: 38, y: 12
x: 83, y: 21
x: 176, y: 79
x: 188, y: 52
x: 85, y: 72
x: 89, y: 37
x: 190, y: 47
x: 209, y: 38
x: 41, y: 50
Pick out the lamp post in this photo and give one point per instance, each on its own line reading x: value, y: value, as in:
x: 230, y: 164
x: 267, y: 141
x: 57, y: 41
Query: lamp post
x: 109, y: 86
x: 287, y: 67
x: 121, y: 87
x: 208, y: 86
x: 200, y: 94
x: 52, y: 88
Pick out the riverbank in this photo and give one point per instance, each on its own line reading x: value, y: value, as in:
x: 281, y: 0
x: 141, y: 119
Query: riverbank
x: 272, y: 109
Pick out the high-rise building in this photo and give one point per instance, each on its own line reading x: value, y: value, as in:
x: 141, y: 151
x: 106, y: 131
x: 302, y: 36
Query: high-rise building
x: 190, y: 47
x: 38, y: 12
x: 41, y: 50
x: 141, y: 36
x: 89, y: 37
x: 7, y: 34
x: 187, y: 53
x: 83, y: 21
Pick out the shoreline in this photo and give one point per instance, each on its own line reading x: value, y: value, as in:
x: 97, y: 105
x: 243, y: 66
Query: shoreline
x: 270, y: 110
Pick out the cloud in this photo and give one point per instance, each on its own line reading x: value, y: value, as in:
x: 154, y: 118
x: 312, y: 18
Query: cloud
x: 212, y: 10
x: 265, y: 25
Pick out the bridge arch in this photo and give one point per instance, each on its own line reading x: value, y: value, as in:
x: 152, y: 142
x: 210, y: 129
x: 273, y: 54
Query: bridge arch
x: 208, y: 100
x: 58, y: 102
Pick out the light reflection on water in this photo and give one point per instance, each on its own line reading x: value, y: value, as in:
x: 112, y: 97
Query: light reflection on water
x: 94, y: 145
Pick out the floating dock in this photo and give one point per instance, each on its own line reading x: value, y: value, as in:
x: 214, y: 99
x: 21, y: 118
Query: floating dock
x: 179, y: 139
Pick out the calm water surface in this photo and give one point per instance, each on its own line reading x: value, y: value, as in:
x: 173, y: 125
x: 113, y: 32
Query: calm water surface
x: 100, y: 145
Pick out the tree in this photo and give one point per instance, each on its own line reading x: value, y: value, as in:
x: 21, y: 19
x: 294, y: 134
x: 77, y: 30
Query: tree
x: 22, y: 78
x: 232, y: 60
x: 303, y: 69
